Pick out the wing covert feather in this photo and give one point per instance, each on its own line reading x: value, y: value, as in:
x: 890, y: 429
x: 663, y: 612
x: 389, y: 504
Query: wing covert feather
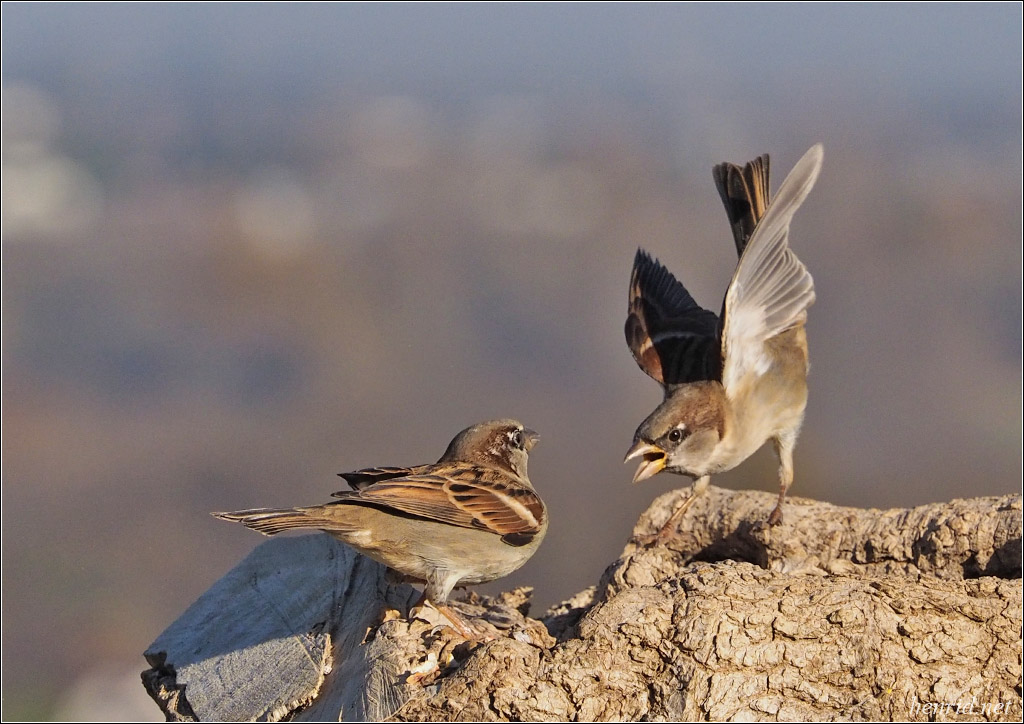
x: 468, y: 496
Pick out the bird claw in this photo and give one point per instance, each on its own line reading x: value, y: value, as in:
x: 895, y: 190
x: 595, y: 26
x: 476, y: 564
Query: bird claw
x: 653, y: 540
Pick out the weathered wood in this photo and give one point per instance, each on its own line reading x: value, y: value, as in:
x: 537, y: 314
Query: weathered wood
x: 839, y: 613
x: 262, y: 641
x: 954, y: 540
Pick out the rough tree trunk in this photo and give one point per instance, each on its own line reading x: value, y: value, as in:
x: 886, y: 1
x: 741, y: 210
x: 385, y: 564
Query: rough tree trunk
x: 839, y: 613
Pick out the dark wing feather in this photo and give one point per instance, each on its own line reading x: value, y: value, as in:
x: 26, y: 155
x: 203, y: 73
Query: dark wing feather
x: 360, y: 479
x: 745, y: 194
x: 467, y: 496
x: 672, y: 338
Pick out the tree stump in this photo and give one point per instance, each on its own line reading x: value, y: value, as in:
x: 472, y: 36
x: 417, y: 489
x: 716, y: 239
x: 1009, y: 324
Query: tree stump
x: 838, y: 613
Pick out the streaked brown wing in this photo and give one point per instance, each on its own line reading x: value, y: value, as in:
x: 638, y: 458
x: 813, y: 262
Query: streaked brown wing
x: 745, y: 194
x: 467, y: 496
x: 360, y: 479
x: 672, y: 338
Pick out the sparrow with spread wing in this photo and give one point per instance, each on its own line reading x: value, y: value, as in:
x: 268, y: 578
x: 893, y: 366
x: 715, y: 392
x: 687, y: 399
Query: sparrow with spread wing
x: 471, y: 517
x: 734, y: 382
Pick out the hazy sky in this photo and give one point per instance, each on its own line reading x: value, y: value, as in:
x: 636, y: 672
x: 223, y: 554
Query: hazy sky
x: 294, y: 239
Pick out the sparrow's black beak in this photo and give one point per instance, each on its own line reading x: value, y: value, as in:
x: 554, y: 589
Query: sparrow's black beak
x: 653, y: 459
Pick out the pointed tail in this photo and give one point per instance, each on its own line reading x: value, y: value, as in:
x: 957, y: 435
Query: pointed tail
x: 271, y: 521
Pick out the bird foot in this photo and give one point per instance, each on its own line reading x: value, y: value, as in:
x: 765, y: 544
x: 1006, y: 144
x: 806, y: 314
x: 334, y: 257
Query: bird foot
x: 461, y: 626
x: 670, y: 528
x: 451, y: 620
x: 653, y: 540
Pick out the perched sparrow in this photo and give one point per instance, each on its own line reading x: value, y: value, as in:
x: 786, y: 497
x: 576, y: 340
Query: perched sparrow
x: 471, y: 517
x: 731, y: 383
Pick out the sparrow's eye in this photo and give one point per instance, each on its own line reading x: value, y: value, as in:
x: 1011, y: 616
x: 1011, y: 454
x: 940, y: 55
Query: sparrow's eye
x: 677, y: 435
x: 517, y: 438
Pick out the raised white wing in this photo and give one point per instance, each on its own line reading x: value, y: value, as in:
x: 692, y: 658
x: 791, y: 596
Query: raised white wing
x: 771, y: 289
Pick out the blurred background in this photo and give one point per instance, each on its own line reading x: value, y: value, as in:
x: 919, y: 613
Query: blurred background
x: 246, y: 247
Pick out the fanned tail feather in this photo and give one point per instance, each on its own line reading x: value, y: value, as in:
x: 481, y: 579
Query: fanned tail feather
x: 745, y: 194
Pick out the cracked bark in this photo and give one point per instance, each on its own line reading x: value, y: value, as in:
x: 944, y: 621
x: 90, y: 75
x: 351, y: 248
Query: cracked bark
x: 839, y: 613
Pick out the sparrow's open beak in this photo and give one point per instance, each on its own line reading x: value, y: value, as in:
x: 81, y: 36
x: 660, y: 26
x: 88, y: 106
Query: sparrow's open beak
x: 530, y: 437
x: 653, y: 459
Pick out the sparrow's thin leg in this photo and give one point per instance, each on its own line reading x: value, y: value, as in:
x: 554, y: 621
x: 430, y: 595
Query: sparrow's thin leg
x: 669, y: 528
x: 784, y: 445
x: 460, y: 625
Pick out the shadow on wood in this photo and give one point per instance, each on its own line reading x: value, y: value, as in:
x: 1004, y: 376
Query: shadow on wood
x: 839, y: 613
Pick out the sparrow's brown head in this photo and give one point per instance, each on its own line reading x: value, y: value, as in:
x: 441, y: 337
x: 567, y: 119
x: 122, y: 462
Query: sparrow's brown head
x: 502, y: 444
x: 682, y: 433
